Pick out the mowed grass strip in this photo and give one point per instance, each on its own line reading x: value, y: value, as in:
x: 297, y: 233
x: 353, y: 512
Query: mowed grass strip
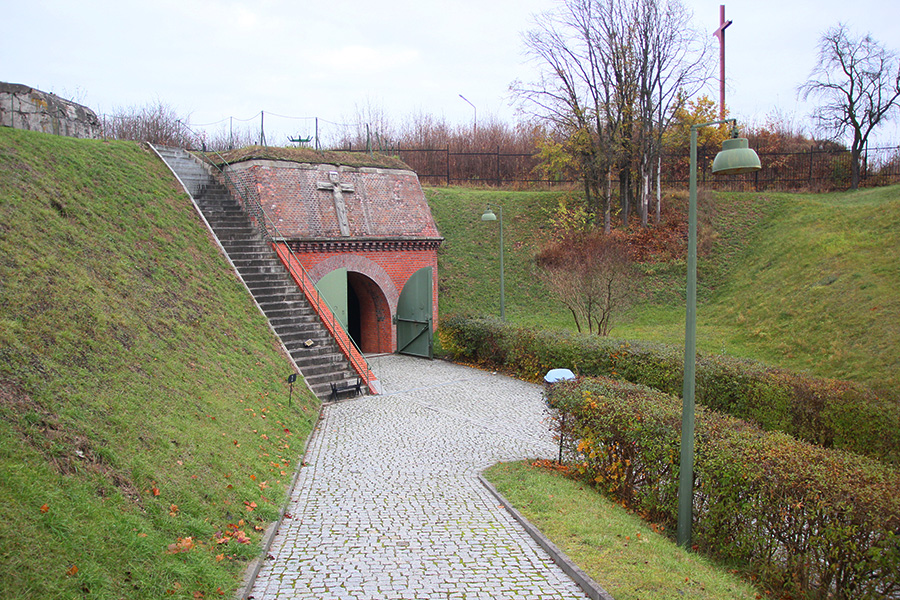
x: 617, y: 549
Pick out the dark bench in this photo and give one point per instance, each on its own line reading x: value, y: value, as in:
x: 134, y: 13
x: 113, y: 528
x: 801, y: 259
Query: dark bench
x: 336, y: 390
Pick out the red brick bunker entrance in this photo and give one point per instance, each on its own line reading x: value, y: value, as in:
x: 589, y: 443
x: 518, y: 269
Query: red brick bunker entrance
x: 372, y: 223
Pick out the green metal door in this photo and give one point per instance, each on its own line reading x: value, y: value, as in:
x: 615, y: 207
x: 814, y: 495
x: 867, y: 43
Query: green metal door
x: 333, y: 288
x: 414, y: 323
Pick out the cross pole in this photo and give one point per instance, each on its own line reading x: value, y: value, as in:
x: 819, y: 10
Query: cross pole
x: 720, y: 33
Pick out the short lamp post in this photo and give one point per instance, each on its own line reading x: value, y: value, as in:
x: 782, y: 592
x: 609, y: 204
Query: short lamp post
x: 735, y: 158
x: 490, y: 216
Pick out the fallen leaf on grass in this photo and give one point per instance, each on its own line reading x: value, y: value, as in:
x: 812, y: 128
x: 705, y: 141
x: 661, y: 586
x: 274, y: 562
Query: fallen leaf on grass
x: 241, y: 538
x: 45, y: 508
x: 181, y: 545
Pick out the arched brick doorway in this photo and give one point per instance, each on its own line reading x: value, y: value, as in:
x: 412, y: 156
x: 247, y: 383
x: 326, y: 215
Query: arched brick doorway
x: 369, y: 314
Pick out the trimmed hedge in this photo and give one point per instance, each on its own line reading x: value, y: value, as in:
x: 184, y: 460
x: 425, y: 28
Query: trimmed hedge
x: 811, y: 522
x: 828, y: 412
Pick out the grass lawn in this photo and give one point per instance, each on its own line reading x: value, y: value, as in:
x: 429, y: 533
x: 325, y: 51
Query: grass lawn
x: 617, y: 549
x: 145, y: 435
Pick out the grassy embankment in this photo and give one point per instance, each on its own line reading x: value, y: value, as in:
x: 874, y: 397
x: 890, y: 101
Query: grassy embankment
x: 803, y: 281
x: 143, y: 414
x: 145, y: 434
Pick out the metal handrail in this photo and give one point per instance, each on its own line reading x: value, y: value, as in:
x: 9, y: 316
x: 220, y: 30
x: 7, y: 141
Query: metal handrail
x: 346, y: 343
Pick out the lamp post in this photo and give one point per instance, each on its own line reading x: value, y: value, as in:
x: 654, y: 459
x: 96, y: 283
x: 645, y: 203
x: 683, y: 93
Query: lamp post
x: 736, y: 157
x: 475, y: 122
x: 490, y: 216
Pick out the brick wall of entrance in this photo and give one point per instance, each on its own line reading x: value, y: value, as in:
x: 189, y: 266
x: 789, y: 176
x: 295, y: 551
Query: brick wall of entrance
x: 377, y: 275
x: 373, y: 222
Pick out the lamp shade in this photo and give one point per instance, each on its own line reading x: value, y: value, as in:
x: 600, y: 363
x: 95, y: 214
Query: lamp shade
x: 488, y: 215
x: 735, y: 158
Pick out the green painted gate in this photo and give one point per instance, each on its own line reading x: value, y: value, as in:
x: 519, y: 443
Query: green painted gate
x: 333, y: 288
x: 414, y: 312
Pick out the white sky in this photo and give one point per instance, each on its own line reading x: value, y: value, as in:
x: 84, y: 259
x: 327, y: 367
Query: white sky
x: 215, y: 59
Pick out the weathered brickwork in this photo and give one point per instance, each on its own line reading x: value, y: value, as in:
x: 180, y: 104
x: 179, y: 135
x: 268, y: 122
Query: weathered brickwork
x: 384, y: 203
x: 387, y: 266
x: 387, y: 235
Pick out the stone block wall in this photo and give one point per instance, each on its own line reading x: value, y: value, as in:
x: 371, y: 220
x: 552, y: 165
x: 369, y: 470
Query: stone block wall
x: 23, y: 107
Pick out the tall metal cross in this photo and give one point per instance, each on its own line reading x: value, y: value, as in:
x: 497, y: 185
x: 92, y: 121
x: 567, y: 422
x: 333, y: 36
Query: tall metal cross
x: 720, y: 33
x: 337, y: 190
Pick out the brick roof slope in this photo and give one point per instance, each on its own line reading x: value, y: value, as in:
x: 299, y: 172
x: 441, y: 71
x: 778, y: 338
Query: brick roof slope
x: 377, y: 203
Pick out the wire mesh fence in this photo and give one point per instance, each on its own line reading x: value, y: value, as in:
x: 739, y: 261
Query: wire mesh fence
x: 813, y: 168
x: 810, y: 169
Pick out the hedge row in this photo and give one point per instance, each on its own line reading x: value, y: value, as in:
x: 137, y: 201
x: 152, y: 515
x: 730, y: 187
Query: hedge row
x: 827, y: 412
x: 811, y: 522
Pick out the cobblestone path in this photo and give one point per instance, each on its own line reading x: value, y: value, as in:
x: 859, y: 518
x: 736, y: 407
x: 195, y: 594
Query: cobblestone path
x: 389, y: 504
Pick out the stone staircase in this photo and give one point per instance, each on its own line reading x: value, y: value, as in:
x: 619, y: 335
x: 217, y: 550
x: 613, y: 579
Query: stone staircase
x: 310, y: 344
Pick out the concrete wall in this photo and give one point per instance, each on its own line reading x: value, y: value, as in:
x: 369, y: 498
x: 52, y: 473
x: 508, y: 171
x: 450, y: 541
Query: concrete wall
x: 22, y: 107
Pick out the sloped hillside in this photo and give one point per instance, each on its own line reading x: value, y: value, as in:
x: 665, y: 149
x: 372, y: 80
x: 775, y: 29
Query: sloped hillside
x: 809, y: 282
x: 817, y: 286
x: 146, y: 436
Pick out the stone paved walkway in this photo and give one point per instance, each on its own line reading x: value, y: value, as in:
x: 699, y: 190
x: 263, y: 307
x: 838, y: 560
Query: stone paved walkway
x: 389, y: 505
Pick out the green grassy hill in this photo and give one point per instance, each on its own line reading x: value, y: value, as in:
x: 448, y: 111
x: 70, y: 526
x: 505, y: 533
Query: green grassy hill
x: 145, y: 433
x: 805, y: 281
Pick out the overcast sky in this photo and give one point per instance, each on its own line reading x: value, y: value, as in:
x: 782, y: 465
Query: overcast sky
x: 212, y: 59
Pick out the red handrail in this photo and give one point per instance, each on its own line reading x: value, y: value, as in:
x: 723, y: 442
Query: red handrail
x: 345, y: 343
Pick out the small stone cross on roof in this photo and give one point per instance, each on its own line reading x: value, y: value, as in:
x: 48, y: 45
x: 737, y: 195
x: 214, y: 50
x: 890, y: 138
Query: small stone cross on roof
x: 337, y: 189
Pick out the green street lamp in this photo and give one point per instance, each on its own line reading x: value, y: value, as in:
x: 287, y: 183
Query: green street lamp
x: 735, y: 158
x: 490, y: 216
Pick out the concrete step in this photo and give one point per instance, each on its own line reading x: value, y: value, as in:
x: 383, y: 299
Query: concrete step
x: 286, y: 307
x: 278, y: 307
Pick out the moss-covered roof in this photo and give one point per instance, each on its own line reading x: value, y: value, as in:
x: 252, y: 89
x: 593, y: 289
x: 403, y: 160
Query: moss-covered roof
x: 308, y: 155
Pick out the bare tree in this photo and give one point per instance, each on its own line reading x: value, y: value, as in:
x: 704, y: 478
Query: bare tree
x: 156, y: 122
x: 572, y: 91
x: 672, y: 65
x: 859, y: 81
x: 611, y: 74
x: 591, y: 275
x: 372, y: 127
